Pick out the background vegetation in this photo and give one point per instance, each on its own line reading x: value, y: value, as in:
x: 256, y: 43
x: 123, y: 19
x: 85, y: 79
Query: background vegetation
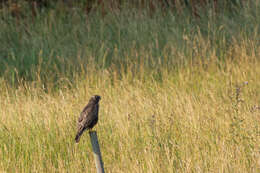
x: 179, y: 86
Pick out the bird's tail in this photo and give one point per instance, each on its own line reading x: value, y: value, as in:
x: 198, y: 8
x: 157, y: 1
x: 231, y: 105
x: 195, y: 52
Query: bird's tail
x: 77, y: 138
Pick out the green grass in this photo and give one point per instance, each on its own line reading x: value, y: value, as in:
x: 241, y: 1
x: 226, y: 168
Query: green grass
x: 174, y: 97
x: 59, y: 44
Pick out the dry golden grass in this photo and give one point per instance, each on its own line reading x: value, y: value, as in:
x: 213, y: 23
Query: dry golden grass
x: 201, y: 118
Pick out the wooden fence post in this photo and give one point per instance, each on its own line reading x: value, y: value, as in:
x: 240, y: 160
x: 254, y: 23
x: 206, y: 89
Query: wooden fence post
x: 96, y: 151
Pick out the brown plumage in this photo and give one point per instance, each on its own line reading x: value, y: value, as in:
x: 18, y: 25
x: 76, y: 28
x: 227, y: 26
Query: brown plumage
x: 88, y: 117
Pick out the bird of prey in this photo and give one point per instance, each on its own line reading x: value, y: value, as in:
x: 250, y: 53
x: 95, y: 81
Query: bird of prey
x: 88, y: 117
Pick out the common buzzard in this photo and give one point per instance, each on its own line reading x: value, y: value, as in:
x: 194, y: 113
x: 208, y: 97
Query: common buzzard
x: 88, y: 117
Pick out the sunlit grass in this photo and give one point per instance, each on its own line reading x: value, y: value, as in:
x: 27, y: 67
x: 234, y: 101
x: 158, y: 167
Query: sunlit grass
x: 178, y: 95
x: 191, y: 121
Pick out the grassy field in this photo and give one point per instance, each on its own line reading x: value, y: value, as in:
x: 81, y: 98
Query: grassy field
x: 179, y: 94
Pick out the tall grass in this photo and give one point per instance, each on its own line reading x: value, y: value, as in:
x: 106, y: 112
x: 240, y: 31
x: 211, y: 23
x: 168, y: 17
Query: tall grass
x: 178, y: 94
x: 190, y: 122
x: 60, y: 44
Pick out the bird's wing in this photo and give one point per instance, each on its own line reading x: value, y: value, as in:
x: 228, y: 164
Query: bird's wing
x: 81, y: 116
x: 85, y: 111
x: 89, y: 119
x: 86, y: 116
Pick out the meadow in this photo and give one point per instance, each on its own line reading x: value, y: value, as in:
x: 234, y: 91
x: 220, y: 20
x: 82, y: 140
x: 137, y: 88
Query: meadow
x: 179, y: 93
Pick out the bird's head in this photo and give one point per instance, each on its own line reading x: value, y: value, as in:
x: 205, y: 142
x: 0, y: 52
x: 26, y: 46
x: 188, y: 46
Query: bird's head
x: 95, y: 98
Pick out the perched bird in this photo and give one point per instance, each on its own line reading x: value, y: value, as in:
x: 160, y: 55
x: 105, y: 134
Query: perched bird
x: 88, y: 117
